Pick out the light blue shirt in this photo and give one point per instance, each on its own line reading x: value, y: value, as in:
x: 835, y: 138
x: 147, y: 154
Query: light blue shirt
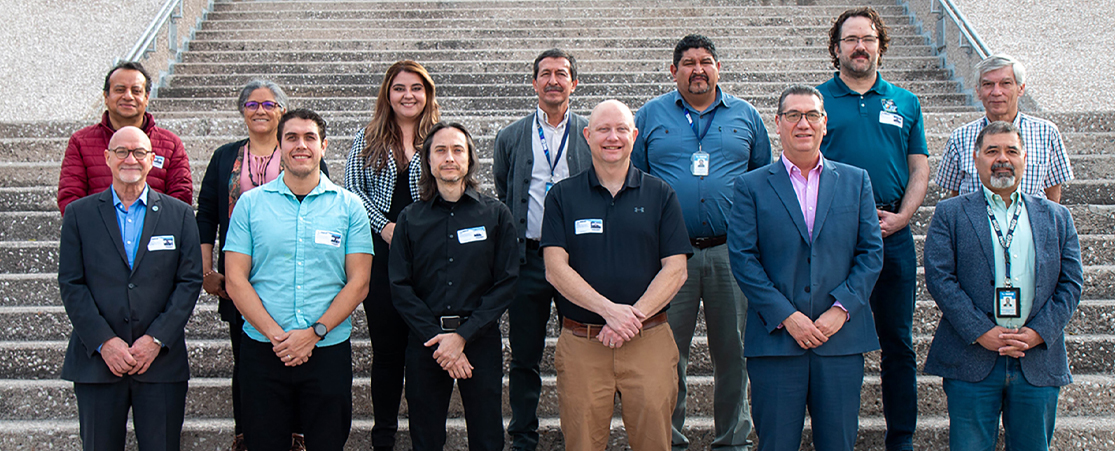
x: 737, y: 142
x: 298, y: 250
x: 1022, y: 254
x: 130, y: 219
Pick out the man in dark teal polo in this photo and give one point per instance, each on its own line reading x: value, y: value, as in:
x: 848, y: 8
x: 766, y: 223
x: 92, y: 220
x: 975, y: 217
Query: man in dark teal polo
x: 878, y: 127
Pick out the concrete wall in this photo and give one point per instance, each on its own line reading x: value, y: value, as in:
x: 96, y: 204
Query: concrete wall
x: 1065, y: 45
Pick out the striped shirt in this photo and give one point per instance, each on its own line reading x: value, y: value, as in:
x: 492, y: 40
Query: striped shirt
x: 1046, y: 162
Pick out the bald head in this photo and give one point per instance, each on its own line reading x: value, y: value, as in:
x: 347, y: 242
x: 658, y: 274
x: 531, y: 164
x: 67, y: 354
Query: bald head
x: 129, y: 169
x: 611, y: 132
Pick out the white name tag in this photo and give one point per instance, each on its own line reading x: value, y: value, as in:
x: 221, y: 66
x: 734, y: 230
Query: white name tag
x: 161, y: 243
x: 583, y: 226
x: 327, y: 238
x: 158, y: 161
x: 465, y: 236
x: 890, y: 119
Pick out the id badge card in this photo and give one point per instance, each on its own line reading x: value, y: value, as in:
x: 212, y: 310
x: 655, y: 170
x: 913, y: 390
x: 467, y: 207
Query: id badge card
x: 699, y: 163
x: 1006, y: 302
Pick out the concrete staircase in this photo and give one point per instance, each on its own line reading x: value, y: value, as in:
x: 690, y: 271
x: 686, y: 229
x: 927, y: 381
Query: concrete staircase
x: 330, y: 56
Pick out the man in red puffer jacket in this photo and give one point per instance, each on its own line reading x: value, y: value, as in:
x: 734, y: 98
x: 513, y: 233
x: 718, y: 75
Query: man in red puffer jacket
x: 126, y: 91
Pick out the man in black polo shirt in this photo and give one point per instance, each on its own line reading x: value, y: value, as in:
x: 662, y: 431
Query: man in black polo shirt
x: 454, y: 262
x: 615, y: 248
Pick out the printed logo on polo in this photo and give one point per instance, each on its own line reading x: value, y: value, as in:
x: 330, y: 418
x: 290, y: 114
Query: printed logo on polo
x: 640, y: 210
x: 889, y: 106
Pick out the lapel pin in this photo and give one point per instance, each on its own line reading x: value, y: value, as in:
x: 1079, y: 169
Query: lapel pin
x: 155, y: 208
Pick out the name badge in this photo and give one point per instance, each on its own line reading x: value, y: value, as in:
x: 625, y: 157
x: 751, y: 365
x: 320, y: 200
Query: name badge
x: 698, y: 164
x: 465, y: 236
x: 158, y: 161
x: 890, y: 119
x: 327, y: 238
x: 583, y: 226
x: 1007, y: 302
x: 161, y: 243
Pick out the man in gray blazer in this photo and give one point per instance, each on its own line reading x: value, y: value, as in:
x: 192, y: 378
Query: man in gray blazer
x: 531, y: 155
x: 129, y: 271
x: 806, y: 250
x: 1004, y: 267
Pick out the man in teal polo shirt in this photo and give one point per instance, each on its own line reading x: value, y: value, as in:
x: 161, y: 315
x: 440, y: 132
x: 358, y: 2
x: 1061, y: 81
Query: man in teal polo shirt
x: 298, y: 262
x: 877, y: 126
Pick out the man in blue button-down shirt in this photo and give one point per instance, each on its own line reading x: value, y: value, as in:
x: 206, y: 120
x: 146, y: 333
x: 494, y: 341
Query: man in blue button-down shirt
x: 298, y: 262
x: 699, y: 140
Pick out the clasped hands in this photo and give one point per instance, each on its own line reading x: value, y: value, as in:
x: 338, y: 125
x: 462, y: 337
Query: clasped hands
x: 122, y: 359
x: 624, y: 322
x: 812, y: 334
x: 1010, y: 342
x: 295, y: 347
x: 450, y: 354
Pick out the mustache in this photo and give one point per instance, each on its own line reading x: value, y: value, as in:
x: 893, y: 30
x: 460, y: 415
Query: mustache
x: 696, y: 77
x: 553, y: 88
x: 860, y: 53
x: 1003, y: 165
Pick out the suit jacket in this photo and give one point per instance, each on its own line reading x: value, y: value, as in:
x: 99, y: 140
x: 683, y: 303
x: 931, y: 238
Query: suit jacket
x: 782, y: 272
x: 960, y: 274
x: 514, y: 161
x: 104, y: 298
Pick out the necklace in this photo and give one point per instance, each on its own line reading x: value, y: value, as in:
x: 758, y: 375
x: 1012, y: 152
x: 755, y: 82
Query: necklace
x: 261, y: 168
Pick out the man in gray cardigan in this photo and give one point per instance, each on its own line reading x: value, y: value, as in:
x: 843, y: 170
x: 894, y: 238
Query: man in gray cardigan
x: 1004, y: 267
x: 531, y: 155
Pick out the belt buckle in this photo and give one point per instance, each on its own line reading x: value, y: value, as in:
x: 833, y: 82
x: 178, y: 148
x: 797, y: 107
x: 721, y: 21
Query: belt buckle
x: 450, y: 323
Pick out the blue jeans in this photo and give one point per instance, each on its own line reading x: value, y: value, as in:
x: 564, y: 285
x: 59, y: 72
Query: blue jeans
x: 1028, y: 412
x: 892, y: 303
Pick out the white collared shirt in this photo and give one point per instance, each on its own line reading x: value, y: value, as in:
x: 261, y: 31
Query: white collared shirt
x: 540, y: 174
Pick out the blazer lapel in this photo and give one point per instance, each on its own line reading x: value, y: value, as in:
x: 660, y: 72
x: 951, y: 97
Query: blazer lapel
x: 826, y: 191
x: 150, y: 220
x: 1041, y: 224
x: 780, y: 181
x: 108, y: 215
x: 976, y: 210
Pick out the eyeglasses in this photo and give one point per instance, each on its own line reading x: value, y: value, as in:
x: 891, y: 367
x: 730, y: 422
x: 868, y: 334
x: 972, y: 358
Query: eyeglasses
x: 267, y: 105
x: 814, y: 117
x: 866, y: 40
x: 122, y: 152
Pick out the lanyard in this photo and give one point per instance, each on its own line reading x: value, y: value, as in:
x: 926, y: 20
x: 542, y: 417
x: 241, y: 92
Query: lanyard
x: 546, y: 146
x: 1004, y: 241
x: 694, y: 127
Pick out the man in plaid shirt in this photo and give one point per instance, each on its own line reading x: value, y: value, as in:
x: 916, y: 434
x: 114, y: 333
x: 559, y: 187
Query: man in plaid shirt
x: 1001, y: 83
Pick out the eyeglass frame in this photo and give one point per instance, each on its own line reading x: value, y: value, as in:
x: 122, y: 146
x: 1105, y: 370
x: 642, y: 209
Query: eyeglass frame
x: 134, y: 152
x: 248, y: 105
x: 786, y: 115
x: 855, y: 40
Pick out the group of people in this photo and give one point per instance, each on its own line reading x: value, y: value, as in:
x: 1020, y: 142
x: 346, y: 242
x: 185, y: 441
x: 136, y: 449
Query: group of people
x: 627, y: 222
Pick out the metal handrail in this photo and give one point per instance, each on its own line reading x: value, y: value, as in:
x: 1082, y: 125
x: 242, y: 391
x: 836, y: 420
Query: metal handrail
x: 968, y: 37
x: 171, y: 11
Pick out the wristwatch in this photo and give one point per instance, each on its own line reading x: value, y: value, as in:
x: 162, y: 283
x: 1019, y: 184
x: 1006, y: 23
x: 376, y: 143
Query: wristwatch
x: 320, y: 330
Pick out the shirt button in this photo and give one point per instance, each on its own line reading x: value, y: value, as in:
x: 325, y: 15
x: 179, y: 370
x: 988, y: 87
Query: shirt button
x: 450, y: 213
x: 450, y: 283
x: 702, y: 200
x: 450, y: 259
x: 131, y: 285
x: 806, y: 289
x: 299, y: 263
x: 300, y: 287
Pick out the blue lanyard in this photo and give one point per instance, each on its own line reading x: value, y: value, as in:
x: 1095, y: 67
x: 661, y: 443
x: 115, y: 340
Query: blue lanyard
x: 1004, y: 241
x: 546, y: 147
x: 694, y: 127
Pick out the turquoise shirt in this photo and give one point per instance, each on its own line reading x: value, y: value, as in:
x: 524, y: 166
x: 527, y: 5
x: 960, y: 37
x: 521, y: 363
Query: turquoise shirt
x: 298, y: 250
x: 130, y: 221
x: 1022, y: 254
x: 875, y: 131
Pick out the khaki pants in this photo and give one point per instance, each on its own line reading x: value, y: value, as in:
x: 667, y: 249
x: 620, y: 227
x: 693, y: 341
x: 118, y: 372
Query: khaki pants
x: 643, y: 371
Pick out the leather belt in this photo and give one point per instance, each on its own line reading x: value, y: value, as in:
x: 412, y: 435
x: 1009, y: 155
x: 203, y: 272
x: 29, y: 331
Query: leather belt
x: 587, y: 330
x: 451, y: 323
x: 533, y: 245
x: 891, y: 207
x: 708, y: 241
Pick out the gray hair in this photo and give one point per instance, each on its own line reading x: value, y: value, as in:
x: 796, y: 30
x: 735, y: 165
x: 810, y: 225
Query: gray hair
x: 999, y: 128
x: 800, y: 90
x: 253, y: 85
x: 999, y: 61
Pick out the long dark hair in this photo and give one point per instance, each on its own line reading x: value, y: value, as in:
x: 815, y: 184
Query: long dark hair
x: 426, y: 182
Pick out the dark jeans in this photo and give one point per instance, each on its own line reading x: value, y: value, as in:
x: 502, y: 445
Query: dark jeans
x: 892, y: 303
x: 429, y: 388
x: 528, y: 315
x: 389, y: 333
x: 235, y: 332
x: 316, y: 395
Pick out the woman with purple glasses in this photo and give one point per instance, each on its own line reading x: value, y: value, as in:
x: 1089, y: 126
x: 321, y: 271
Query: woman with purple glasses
x: 235, y: 168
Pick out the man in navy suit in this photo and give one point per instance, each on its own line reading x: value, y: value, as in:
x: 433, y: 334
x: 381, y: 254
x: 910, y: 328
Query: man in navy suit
x: 1004, y: 267
x: 807, y: 268
x: 129, y: 270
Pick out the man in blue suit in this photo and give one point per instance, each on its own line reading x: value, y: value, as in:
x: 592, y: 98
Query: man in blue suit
x: 1004, y: 267
x: 807, y: 268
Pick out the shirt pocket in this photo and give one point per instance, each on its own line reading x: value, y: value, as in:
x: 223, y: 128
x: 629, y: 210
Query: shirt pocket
x: 329, y: 230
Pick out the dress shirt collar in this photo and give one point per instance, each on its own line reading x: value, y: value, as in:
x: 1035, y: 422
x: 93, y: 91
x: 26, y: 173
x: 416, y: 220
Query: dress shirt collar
x: 545, y: 120
x: 634, y: 178
x: 881, y: 87
x: 791, y: 167
x: 278, y: 186
x: 470, y: 192
x: 996, y: 200
x: 141, y: 200
x: 721, y: 101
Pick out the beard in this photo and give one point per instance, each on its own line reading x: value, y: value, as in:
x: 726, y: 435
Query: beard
x: 693, y: 89
x: 1002, y: 181
x: 857, y: 72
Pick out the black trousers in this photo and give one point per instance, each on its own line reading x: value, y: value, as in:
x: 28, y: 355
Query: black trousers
x: 235, y: 332
x: 316, y: 395
x: 528, y: 315
x: 158, y: 410
x: 429, y: 387
x: 389, y: 334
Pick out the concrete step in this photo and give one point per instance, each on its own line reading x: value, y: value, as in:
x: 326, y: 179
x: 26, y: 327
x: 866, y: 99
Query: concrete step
x: 393, y: 5
x: 22, y: 400
x: 586, y: 10
x: 1089, y: 354
x: 1071, y: 434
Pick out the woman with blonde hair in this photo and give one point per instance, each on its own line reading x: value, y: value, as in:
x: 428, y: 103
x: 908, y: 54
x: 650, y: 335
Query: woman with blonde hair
x: 383, y: 168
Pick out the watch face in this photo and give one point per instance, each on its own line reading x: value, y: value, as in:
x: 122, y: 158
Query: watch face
x: 320, y: 330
